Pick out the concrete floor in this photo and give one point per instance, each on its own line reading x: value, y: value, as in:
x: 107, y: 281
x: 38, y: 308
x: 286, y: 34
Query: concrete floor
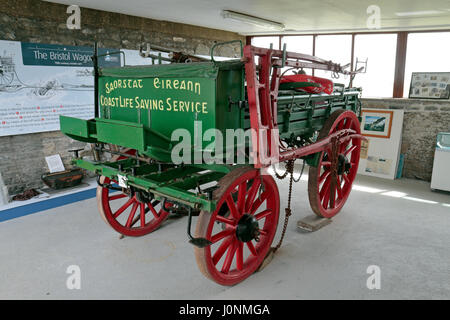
x: 400, y: 226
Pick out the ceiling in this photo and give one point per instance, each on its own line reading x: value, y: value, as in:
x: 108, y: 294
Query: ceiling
x: 298, y: 16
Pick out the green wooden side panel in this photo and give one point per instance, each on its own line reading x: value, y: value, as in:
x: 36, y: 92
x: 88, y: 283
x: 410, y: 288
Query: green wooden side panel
x: 164, y: 98
x: 121, y: 133
x: 78, y: 129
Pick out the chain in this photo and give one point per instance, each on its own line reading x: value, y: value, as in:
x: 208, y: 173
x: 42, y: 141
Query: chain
x: 284, y: 175
x: 289, y: 169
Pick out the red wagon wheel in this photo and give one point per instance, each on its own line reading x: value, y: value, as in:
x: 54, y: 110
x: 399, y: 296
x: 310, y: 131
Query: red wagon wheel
x: 329, y: 191
x: 129, y: 215
x: 242, y: 227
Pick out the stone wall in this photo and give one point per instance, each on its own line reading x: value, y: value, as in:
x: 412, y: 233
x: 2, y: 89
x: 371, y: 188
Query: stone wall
x: 422, y: 121
x: 22, y: 157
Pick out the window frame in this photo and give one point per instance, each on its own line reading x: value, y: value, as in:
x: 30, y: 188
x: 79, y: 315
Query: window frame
x: 400, y: 59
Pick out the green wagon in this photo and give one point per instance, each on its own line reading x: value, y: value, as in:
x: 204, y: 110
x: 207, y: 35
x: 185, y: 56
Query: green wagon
x: 199, y: 139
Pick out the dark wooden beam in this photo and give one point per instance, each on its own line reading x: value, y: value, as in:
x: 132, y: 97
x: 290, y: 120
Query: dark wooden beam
x: 400, y: 63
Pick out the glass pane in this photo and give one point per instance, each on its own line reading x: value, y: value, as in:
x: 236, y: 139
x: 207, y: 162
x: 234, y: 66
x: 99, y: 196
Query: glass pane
x: 337, y: 48
x: 264, y: 42
x: 300, y: 44
x: 426, y: 52
x: 380, y: 50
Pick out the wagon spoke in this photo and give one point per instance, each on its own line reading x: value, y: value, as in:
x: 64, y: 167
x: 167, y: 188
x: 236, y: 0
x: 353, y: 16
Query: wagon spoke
x: 240, y: 256
x: 325, y: 187
x: 225, y: 220
x: 131, y: 216
x: 258, y: 202
x: 263, y: 232
x: 326, y: 198
x: 152, y: 209
x: 229, y: 258
x: 324, y: 175
x: 252, y: 193
x: 252, y: 248
x: 350, y: 150
x: 263, y: 214
x: 117, y: 196
x: 136, y: 219
x: 221, y: 250
x: 347, y: 180
x: 231, y: 205
x: 142, y: 214
x: 326, y: 163
x: 241, y: 197
x: 343, y: 146
x: 222, y: 234
x: 123, y: 208
x: 339, y: 188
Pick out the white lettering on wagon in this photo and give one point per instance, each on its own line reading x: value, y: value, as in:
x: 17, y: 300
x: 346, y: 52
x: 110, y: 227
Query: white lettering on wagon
x: 176, y: 84
x: 123, y: 84
x: 169, y: 104
x: 166, y: 104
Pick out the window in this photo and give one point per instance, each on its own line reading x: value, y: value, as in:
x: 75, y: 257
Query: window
x: 299, y: 44
x: 264, y: 42
x: 337, y: 48
x: 426, y: 52
x: 380, y: 51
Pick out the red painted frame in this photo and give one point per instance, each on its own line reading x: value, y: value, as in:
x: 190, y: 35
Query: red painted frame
x: 262, y: 93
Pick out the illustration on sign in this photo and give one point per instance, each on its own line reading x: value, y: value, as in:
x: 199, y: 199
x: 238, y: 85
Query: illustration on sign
x: 39, y: 82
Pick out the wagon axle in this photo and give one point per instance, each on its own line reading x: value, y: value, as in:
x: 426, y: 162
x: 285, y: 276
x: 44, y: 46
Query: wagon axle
x: 143, y: 197
x: 344, y: 165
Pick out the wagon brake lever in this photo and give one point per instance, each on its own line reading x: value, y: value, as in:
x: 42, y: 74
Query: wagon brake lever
x: 198, y: 242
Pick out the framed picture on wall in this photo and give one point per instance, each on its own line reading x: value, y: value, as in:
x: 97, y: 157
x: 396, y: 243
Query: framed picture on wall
x: 376, y: 123
x: 430, y: 85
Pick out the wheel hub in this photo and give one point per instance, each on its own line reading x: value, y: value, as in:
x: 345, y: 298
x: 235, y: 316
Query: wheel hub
x: 343, y: 164
x: 247, y: 228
